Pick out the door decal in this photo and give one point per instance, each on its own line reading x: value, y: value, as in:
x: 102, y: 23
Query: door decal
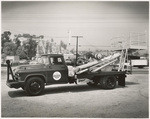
x: 56, y: 75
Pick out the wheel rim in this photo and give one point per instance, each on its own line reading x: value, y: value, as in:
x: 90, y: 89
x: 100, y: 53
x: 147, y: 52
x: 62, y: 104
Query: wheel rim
x: 35, y: 87
x: 111, y: 82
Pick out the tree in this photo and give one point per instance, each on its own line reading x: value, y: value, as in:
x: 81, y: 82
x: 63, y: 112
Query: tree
x: 21, y: 53
x: 29, y: 48
x: 63, y: 45
x: 5, y: 37
x: 41, y: 36
x: 26, y: 35
x: 72, y: 51
x: 17, y: 41
x: 9, y: 48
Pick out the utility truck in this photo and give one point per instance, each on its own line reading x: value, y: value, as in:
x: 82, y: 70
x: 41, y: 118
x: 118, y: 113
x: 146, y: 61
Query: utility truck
x: 52, y: 69
x: 140, y: 63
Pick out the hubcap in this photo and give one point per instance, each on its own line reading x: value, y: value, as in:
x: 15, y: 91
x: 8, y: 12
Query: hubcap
x: 111, y: 82
x: 35, y: 87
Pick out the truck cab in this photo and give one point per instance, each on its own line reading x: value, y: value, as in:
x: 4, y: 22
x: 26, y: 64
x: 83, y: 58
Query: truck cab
x: 57, y: 71
x: 50, y: 69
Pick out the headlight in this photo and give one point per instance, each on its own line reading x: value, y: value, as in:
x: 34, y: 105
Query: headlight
x: 17, y: 76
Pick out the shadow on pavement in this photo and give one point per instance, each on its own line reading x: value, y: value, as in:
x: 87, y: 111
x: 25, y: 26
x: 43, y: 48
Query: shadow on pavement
x: 127, y: 83
x: 131, y: 83
x: 17, y: 93
x: 52, y: 90
x: 57, y: 89
x: 64, y: 89
x: 75, y: 88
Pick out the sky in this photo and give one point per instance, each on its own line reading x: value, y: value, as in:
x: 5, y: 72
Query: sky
x: 98, y: 22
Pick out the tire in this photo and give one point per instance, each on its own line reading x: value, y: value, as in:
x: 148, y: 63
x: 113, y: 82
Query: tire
x: 34, y: 86
x: 108, y: 82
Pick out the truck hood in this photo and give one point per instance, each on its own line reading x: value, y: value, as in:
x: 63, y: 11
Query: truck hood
x: 39, y: 66
x: 29, y: 67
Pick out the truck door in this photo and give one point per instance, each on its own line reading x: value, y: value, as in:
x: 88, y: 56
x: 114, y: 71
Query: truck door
x: 57, y: 71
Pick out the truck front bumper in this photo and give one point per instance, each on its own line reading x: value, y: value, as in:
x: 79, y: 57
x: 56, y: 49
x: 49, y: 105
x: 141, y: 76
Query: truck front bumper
x: 14, y: 84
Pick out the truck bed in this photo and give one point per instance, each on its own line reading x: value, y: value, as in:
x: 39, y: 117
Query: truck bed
x: 100, y: 73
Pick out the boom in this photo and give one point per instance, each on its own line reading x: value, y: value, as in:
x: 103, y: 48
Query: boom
x: 104, y: 62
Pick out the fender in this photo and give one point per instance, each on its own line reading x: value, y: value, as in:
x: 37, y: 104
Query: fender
x: 32, y: 75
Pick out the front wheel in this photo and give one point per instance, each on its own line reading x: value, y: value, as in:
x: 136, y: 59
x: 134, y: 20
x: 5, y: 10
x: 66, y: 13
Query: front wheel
x: 34, y: 86
x: 108, y: 82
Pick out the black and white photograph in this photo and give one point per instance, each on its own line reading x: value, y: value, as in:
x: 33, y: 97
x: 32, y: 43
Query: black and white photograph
x: 74, y: 59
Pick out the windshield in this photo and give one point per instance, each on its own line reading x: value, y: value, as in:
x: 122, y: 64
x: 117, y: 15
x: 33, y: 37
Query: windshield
x: 43, y: 60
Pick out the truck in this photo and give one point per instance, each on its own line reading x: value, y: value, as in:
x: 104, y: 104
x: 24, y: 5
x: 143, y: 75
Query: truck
x: 52, y: 69
x: 140, y: 63
x: 137, y: 61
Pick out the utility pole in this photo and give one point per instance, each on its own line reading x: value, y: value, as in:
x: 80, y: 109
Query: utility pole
x: 77, y: 46
x: 69, y: 35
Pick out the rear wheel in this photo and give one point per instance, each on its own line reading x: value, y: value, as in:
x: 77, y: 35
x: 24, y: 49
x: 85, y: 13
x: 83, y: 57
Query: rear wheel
x: 34, y: 86
x: 108, y: 82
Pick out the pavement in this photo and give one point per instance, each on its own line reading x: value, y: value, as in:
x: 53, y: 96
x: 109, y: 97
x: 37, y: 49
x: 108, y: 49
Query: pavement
x: 80, y: 101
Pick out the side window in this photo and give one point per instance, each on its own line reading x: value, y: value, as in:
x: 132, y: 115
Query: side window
x: 60, y: 61
x: 56, y: 60
x: 52, y: 60
x: 45, y: 60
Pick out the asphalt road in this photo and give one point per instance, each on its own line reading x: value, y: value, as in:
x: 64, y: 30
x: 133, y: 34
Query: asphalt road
x: 140, y: 71
x: 80, y: 100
